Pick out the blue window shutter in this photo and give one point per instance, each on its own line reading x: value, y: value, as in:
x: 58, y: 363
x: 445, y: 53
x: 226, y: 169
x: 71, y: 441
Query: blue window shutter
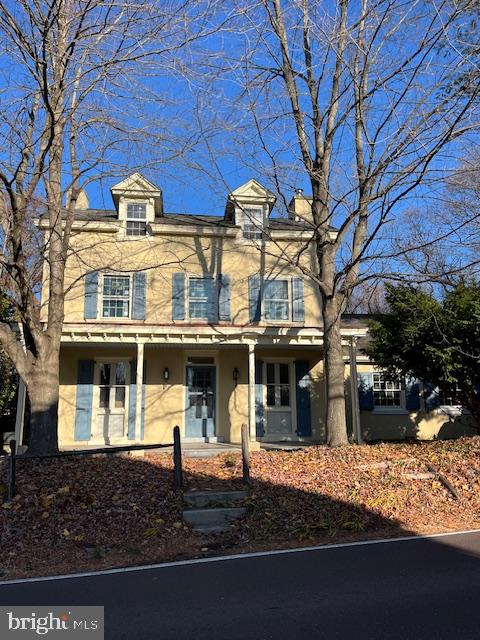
x: 259, y: 408
x: 178, y: 296
x: 132, y: 396
x: 223, y: 297
x: 365, y: 391
x: 83, y: 411
x: 139, y: 295
x: 91, y: 295
x: 254, y: 298
x: 302, y: 393
x: 431, y: 396
x: 132, y: 402
x: 298, y: 303
x: 212, y: 304
x: 412, y: 394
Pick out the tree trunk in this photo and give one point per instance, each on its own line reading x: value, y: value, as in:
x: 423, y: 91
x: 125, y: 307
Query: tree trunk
x: 43, y: 393
x: 334, y: 366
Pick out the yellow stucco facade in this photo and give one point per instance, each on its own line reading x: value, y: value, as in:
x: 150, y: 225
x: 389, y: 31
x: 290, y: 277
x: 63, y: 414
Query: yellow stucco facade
x: 142, y: 353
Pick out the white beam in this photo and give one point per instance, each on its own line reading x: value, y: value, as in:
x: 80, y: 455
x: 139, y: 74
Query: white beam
x: 357, y: 429
x: 251, y: 392
x: 139, y: 387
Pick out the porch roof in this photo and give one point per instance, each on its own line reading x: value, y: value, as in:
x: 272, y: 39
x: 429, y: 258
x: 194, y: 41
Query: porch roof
x: 132, y: 333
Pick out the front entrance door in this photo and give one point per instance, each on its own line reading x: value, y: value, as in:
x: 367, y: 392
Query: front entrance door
x: 279, y: 400
x: 112, y: 392
x: 200, y: 413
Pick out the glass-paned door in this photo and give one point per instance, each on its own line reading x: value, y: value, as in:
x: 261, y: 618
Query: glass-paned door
x: 200, y: 411
x: 112, y: 399
x: 278, y: 379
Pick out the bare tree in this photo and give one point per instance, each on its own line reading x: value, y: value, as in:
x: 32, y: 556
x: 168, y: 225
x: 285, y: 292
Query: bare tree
x: 347, y: 97
x: 75, y: 73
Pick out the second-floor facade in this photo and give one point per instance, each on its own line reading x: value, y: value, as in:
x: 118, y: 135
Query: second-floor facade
x: 137, y: 264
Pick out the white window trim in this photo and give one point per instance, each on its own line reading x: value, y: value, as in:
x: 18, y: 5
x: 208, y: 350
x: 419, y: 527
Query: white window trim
x: 194, y: 276
x: 401, y: 409
x: 130, y: 300
x: 242, y: 218
x: 290, y: 319
x: 123, y: 217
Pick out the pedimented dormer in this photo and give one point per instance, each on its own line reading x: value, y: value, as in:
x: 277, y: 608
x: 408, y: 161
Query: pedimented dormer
x: 249, y: 207
x: 138, y: 202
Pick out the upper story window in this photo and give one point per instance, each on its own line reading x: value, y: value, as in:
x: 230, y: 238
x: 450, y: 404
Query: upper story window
x: 116, y: 297
x: 200, y: 298
x: 387, y: 391
x: 136, y: 219
x: 277, y: 300
x: 252, y: 223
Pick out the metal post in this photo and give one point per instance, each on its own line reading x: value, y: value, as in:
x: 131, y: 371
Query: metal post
x: 246, y: 453
x: 177, y: 459
x: 11, y: 483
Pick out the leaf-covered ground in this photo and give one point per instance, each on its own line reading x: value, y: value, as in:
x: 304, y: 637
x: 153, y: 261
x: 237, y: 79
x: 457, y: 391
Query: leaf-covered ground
x: 83, y: 513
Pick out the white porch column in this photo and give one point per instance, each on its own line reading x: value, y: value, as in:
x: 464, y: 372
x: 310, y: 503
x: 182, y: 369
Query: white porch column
x: 20, y: 415
x: 357, y: 431
x: 139, y: 387
x: 251, y: 392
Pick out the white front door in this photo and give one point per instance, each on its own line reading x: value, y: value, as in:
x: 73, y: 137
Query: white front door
x: 112, y: 387
x: 278, y: 378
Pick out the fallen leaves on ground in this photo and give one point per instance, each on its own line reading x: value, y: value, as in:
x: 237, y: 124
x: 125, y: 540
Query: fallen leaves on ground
x: 95, y: 512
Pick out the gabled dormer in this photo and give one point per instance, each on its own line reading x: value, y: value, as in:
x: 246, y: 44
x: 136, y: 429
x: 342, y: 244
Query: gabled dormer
x: 249, y: 207
x: 138, y: 202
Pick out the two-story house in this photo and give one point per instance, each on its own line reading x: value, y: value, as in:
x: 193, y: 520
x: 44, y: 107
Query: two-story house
x: 207, y: 322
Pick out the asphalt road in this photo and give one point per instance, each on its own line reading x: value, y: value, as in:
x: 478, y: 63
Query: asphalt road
x: 419, y: 589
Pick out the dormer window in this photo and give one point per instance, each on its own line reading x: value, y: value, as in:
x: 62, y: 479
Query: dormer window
x: 252, y: 223
x: 136, y: 219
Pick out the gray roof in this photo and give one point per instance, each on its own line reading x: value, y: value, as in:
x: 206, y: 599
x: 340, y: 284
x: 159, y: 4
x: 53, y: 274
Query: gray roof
x: 110, y: 215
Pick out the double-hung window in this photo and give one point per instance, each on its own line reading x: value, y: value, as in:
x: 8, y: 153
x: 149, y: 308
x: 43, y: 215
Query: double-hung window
x: 387, y: 390
x: 253, y: 223
x: 116, y: 296
x: 136, y: 219
x: 276, y: 300
x: 200, y: 298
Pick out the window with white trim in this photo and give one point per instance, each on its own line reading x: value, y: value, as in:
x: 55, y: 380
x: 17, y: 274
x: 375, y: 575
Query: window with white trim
x: 116, y: 296
x: 277, y: 300
x: 136, y: 219
x: 200, y: 298
x: 252, y: 223
x: 387, y: 390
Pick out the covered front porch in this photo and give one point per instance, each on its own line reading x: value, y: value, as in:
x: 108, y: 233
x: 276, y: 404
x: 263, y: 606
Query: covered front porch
x: 117, y: 388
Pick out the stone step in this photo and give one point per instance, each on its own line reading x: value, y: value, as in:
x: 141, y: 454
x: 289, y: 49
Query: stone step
x: 218, y: 517
x: 199, y: 499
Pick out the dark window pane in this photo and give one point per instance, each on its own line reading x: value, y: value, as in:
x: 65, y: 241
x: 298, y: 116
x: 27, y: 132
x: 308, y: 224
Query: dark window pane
x: 104, y: 397
x: 285, y: 396
x: 120, y: 373
x: 270, y: 373
x: 104, y: 374
x: 284, y: 379
x: 271, y: 395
